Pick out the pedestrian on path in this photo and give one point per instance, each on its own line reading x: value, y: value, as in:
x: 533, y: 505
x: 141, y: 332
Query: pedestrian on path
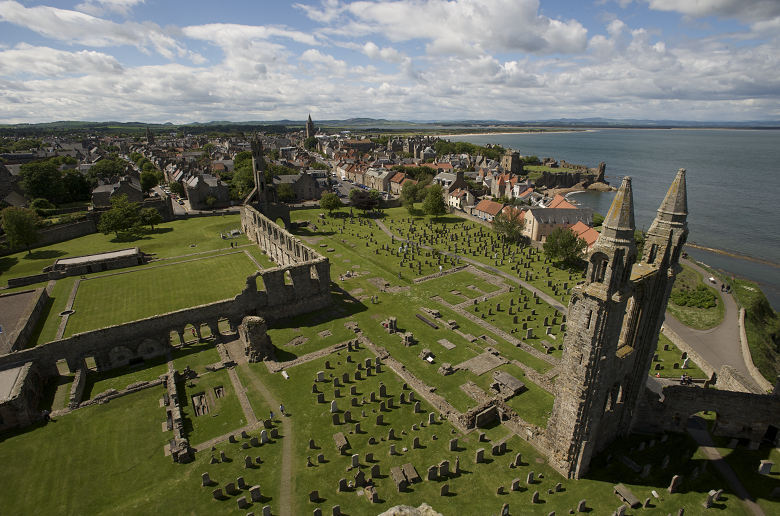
x: 272, y: 415
x: 46, y: 415
x: 281, y: 409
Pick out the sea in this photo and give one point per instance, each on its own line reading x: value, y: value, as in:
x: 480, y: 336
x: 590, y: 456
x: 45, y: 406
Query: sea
x: 733, y: 180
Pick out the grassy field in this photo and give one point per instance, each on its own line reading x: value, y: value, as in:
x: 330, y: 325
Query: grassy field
x: 693, y: 317
x: 169, y: 239
x: 144, y: 292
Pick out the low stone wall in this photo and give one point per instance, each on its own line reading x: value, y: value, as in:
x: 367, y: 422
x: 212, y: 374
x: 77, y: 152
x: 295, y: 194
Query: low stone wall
x: 752, y: 369
x: 56, y: 234
x: 682, y: 346
x: 77, y: 389
x: 17, y: 338
x: 28, y: 280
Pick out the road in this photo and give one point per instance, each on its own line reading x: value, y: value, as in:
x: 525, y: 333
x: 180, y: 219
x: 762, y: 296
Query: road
x: 720, y: 345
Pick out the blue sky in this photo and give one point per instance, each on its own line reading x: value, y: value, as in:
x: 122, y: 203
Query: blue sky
x: 173, y: 61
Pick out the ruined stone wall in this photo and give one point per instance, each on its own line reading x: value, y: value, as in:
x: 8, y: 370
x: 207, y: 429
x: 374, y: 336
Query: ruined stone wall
x: 77, y: 389
x: 739, y: 414
x: 280, y: 245
x: 115, y: 346
x: 17, y: 338
x: 20, y: 408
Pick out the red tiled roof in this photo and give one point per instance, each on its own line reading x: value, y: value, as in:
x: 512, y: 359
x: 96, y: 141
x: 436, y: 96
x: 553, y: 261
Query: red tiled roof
x: 588, y: 234
x: 490, y: 207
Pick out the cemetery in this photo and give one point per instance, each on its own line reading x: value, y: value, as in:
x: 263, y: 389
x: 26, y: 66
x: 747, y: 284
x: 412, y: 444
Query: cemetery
x: 429, y: 376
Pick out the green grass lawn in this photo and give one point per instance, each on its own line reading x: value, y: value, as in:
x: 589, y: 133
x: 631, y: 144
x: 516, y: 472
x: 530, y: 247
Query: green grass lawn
x: 109, y: 460
x: 693, y: 317
x: 120, y: 377
x: 49, y: 321
x: 225, y: 413
x: 745, y: 464
x: 143, y: 293
x: 167, y: 240
x: 197, y: 356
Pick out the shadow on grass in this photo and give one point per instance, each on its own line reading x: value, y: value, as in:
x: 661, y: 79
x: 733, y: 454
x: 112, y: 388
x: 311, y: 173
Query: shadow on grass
x: 47, y: 308
x: 48, y: 254
x: 7, y: 262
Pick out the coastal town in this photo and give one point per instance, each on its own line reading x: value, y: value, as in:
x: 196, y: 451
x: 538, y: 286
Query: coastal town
x: 317, y: 321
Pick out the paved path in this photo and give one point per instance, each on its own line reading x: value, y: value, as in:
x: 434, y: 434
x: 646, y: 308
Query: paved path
x: 698, y: 430
x: 546, y: 297
x: 285, y: 492
x: 720, y: 345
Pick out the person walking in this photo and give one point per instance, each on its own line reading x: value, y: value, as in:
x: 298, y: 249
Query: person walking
x: 272, y: 415
x: 281, y: 409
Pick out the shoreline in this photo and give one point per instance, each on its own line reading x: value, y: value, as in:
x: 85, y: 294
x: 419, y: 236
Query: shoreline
x: 562, y: 131
x: 733, y: 255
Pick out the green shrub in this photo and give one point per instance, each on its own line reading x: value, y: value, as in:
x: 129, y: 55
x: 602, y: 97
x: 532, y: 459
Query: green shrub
x: 702, y: 297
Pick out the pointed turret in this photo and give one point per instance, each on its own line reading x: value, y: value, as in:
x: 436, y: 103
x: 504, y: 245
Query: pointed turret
x: 619, y: 223
x: 676, y: 200
x: 669, y: 231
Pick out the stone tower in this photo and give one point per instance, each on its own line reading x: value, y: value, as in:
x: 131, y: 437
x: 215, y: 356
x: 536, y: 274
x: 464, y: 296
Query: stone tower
x: 310, y: 127
x: 613, y: 325
x: 510, y: 161
x: 260, y: 193
x: 149, y: 136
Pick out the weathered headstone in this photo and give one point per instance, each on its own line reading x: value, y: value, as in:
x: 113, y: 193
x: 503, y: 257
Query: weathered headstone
x: 254, y: 494
x: 453, y: 446
x: 480, y: 456
x: 530, y: 479
x: 205, y: 480
x: 675, y: 483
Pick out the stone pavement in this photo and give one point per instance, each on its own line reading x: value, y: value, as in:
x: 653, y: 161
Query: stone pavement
x: 720, y: 345
x: 698, y: 430
x: 547, y: 298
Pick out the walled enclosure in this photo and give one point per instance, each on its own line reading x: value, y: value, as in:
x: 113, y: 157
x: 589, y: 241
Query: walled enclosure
x: 115, y: 346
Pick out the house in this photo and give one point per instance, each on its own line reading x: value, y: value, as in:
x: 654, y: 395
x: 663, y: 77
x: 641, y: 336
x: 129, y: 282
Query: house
x: 461, y: 199
x: 450, y: 182
x: 586, y: 233
x: 130, y: 186
x: 487, y: 210
x: 201, y: 186
x: 559, y: 201
x: 304, y: 185
x: 378, y: 179
x: 540, y: 222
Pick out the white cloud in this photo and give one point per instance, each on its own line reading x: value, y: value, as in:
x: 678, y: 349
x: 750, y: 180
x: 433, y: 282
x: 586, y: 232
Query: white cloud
x: 463, y: 27
x: 75, y: 28
x: 102, y: 7
x: 27, y: 59
x: 388, y: 54
x: 746, y: 11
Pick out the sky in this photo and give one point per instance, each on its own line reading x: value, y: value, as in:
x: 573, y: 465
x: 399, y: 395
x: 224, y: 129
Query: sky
x: 194, y: 61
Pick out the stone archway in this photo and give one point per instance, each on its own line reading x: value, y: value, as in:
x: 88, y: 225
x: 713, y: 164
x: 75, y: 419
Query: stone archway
x: 150, y: 348
x: 119, y: 356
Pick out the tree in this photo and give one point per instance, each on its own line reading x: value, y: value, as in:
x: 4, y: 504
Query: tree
x: 409, y: 196
x: 362, y: 200
x: 564, y: 245
x: 242, y: 158
x: 330, y: 202
x: 41, y: 206
x: 209, y: 200
x: 434, y: 203
x: 122, y: 216
x: 176, y: 188
x: 310, y: 143
x: 20, y: 227
x: 77, y: 186
x: 42, y: 180
x: 285, y: 192
x: 150, y: 217
x: 148, y: 181
x: 376, y: 195
x: 509, y: 223
x: 107, y: 168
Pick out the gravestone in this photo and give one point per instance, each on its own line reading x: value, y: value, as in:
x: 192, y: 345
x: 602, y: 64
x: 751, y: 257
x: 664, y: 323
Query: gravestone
x: 416, y: 442
x: 240, y: 483
x: 266, y: 510
x: 254, y: 494
x: 264, y: 437
x: 515, y: 485
x: 453, y: 445
x: 242, y: 504
x: 354, y: 402
x: 530, y: 479
x: 581, y: 506
x: 342, y: 484
x: 336, y: 510
x: 320, y: 397
x: 217, y: 494
x: 230, y: 488
x: 357, y: 428
x: 253, y: 441
x: 355, y: 460
x: 444, y: 468
x: 676, y: 481
x: 320, y: 376
x: 392, y: 449
x: 432, y: 473
x: 353, y: 390
x: 247, y: 462
x: 391, y: 435
x: 646, y: 471
x: 336, y: 419
x: 535, y: 497
x: 765, y: 468
x: 480, y: 456
x: 380, y: 419
x: 333, y: 406
x: 710, y: 499
x: 665, y: 462
x: 505, y: 510
x: 320, y: 458
x: 518, y: 460
x: 205, y: 480
x: 347, y: 416
x: 445, y: 490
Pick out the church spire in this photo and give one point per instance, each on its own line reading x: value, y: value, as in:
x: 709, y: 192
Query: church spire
x: 676, y: 200
x: 620, y: 219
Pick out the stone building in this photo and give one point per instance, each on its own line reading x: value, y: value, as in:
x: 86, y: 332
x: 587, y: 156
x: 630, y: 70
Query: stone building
x: 310, y: 131
x: 21, y: 387
x: 201, y: 186
x: 130, y: 186
x: 511, y: 162
x: 613, y: 325
x: 304, y: 185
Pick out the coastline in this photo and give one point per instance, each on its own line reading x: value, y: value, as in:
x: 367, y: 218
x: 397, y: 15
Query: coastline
x: 490, y: 133
x: 733, y: 255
